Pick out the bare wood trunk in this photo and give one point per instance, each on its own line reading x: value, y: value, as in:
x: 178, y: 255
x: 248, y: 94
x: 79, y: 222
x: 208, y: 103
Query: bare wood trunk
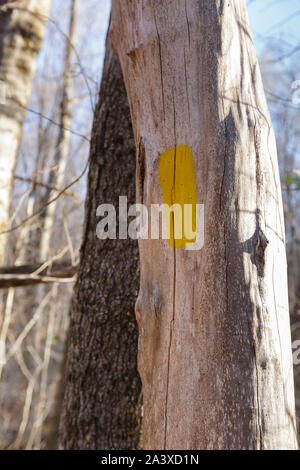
x: 101, y: 408
x: 21, y: 33
x: 215, y: 349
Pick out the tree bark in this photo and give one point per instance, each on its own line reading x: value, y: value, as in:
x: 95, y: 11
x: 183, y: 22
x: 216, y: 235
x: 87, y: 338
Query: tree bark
x: 22, y: 29
x: 215, y: 349
x: 101, y: 408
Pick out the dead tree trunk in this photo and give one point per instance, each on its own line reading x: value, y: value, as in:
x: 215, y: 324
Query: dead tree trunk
x: 22, y: 28
x: 101, y: 408
x: 215, y: 349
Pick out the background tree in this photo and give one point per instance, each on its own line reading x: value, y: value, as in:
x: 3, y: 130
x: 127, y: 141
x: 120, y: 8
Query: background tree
x: 21, y: 33
x: 193, y: 79
x: 56, y: 177
x: 35, y: 333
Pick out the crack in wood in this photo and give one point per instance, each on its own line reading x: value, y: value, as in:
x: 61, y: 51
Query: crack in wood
x: 174, y: 291
x: 161, y: 64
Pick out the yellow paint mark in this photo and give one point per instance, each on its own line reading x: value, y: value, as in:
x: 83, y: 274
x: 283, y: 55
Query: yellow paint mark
x: 178, y: 183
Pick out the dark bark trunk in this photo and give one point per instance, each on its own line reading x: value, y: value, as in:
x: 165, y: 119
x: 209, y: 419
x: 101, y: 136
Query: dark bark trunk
x: 101, y: 408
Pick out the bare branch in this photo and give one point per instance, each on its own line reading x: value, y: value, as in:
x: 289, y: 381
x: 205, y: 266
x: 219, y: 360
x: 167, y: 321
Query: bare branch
x: 44, y: 185
x: 20, y: 276
x: 41, y: 209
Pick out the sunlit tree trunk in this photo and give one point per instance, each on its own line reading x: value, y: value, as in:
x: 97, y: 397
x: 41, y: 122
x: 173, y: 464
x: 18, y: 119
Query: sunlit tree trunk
x: 215, y: 349
x: 22, y: 29
x: 101, y: 408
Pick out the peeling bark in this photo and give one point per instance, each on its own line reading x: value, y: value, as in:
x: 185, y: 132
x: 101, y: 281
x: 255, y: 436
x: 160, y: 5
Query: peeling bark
x: 215, y: 357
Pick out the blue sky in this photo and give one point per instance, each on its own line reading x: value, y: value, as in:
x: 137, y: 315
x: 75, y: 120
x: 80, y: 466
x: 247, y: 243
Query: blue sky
x: 267, y: 17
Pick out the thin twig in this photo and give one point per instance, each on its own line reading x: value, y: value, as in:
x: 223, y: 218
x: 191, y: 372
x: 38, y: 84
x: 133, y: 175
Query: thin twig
x: 41, y: 209
x: 43, y: 185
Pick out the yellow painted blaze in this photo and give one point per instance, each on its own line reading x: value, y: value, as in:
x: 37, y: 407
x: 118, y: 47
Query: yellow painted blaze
x: 178, y: 183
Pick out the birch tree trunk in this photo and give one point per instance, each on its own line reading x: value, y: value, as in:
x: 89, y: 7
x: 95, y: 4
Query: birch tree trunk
x: 215, y: 349
x: 101, y: 407
x: 21, y: 32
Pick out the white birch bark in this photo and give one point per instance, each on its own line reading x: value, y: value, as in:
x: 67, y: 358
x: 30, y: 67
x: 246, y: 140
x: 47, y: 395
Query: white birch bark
x: 21, y: 33
x: 215, y: 350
